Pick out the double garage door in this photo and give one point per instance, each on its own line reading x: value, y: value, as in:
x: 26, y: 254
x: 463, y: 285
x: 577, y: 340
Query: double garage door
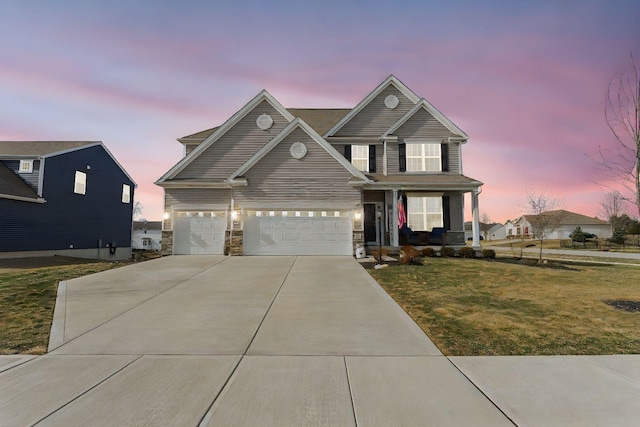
x: 292, y: 235
x: 265, y: 234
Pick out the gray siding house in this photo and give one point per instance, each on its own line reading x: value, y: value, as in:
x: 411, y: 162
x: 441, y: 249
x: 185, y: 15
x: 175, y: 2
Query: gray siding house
x: 278, y: 181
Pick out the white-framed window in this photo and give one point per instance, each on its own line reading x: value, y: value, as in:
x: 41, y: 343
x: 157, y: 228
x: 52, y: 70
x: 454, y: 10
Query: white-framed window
x: 26, y: 166
x: 80, y: 186
x: 423, y: 157
x: 126, y: 193
x: 146, y: 242
x: 360, y: 157
x: 424, y: 213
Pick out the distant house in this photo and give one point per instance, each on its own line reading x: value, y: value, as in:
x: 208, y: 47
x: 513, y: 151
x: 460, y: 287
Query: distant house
x: 146, y: 235
x: 64, y: 198
x: 278, y: 181
x: 568, y: 221
x: 497, y: 232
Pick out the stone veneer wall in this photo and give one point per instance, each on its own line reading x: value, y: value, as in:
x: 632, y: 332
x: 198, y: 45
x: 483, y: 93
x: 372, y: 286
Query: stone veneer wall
x: 234, y: 243
x: 166, y: 246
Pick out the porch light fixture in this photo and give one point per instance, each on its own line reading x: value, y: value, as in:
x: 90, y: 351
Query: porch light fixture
x: 234, y: 215
x: 357, y: 216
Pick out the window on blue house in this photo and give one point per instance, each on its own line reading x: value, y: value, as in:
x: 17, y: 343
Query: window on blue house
x: 26, y: 166
x: 80, y: 186
x: 126, y: 193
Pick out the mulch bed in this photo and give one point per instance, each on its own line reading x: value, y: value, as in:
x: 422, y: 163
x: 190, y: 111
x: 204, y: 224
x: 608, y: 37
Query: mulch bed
x: 625, y: 305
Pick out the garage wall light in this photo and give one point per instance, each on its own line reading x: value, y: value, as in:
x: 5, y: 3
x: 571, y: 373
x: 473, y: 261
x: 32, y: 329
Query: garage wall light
x: 167, y: 215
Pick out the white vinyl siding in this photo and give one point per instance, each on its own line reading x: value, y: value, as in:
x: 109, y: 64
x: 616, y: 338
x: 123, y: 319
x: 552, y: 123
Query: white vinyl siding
x: 423, y: 158
x: 424, y: 213
x: 80, y: 185
x: 126, y: 193
x: 360, y: 157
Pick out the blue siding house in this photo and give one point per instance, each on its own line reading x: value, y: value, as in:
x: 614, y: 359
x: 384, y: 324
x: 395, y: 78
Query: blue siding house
x: 64, y: 198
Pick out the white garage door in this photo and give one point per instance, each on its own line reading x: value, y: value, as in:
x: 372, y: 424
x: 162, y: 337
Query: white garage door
x: 197, y: 233
x: 298, y: 235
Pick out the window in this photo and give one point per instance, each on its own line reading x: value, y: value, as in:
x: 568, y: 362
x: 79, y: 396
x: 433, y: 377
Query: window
x: 126, y: 193
x: 146, y: 242
x: 423, y: 158
x: 26, y: 166
x: 80, y: 186
x: 424, y: 213
x: 360, y: 157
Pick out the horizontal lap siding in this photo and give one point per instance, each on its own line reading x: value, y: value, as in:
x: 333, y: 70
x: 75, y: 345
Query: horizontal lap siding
x: 423, y: 125
x: 316, y: 178
x: 196, y: 196
x: 67, y: 218
x: 236, y: 146
x: 376, y: 118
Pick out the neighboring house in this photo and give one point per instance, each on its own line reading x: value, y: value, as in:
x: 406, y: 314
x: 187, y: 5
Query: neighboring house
x: 497, y: 232
x: 277, y: 181
x: 568, y: 222
x: 64, y: 198
x: 146, y: 235
x: 487, y: 231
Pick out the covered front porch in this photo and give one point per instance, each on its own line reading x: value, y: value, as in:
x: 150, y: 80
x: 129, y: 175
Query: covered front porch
x: 398, y: 214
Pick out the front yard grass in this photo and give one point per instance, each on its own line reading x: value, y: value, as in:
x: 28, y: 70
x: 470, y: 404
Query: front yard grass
x: 476, y: 307
x: 28, y: 290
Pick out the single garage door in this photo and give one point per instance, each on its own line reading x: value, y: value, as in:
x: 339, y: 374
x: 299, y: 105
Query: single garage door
x: 297, y: 233
x: 198, y: 233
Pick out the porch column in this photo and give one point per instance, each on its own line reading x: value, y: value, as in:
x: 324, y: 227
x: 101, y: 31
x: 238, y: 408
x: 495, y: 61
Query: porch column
x: 394, y: 220
x: 475, y: 225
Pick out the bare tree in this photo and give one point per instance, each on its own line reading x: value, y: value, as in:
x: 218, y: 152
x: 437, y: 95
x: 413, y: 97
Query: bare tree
x: 622, y: 114
x: 485, y: 225
x: 137, y: 209
x: 612, y: 208
x: 543, y: 215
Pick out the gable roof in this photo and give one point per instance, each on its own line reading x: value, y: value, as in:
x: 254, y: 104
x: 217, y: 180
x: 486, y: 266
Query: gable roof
x: 320, y: 119
x: 297, y: 123
x: 570, y: 218
x: 12, y: 187
x: 147, y: 225
x: 221, y: 130
x: 40, y: 148
x: 427, y: 106
x: 391, y: 80
x: 44, y: 149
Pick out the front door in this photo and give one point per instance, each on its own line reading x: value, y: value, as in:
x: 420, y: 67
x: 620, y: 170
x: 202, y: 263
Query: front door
x: 371, y: 230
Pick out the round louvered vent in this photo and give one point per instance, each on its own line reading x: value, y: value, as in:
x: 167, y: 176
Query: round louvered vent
x: 298, y: 150
x: 391, y: 102
x: 264, y: 121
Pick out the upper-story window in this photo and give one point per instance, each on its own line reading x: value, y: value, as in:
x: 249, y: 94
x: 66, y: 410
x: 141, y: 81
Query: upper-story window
x: 26, y: 166
x: 80, y: 185
x: 360, y: 157
x: 363, y: 157
x: 126, y: 193
x: 424, y: 158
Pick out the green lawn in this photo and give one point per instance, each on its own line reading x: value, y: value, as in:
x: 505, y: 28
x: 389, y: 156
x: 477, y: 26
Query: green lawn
x: 28, y: 289
x: 478, y: 307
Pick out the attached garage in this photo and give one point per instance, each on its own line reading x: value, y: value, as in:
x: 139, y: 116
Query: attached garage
x: 298, y: 233
x: 199, y: 233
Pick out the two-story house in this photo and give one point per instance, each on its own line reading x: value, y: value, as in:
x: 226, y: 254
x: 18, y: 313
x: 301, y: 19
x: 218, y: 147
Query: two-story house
x: 64, y: 198
x: 278, y: 181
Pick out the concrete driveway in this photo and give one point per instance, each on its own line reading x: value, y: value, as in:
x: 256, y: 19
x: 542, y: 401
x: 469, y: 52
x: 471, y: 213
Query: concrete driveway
x: 281, y: 341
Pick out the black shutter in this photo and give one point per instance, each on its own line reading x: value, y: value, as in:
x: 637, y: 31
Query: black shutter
x: 444, y: 153
x: 446, y: 213
x: 372, y: 158
x: 347, y: 152
x: 402, y: 154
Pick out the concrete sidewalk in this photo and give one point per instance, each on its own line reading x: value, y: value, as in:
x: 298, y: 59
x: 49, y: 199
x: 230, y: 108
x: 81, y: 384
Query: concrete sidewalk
x: 282, y: 341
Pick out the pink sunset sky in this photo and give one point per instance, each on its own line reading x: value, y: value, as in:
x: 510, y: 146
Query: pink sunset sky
x: 526, y: 80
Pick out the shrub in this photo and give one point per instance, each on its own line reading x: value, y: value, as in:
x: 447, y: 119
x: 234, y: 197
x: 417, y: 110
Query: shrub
x: 489, y: 253
x: 467, y: 252
x: 408, y: 254
x: 428, y: 252
x: 447, y: 251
